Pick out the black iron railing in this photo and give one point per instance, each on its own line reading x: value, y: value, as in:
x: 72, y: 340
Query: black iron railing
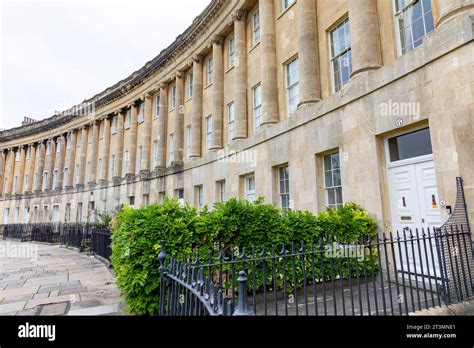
x: 391, y: 275
x: 93, y: 238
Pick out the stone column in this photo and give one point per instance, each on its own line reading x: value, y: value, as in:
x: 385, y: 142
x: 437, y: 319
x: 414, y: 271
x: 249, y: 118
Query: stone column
x: 270, y: 113
x: 217, y: 93
x: 19, y: 171
x: 2, y: 169
x: 240, y: 76
x: 81, y: 159
x: 132, y: 144
x: 9, y: 165
x: 30, y: 170
x: 92, y: 150
x: 70, y: 160
x: 105, y: 151
x: 118, y: 148
x: 179, y: 121
x: 310, y: 81
x: 365, y: 36
x: 146, y: 139
x: 196, y: 119
x: 59, y: 162
x: 163, y: 126
x: 49, y: 167
x: 452, y: 8
x: 39, y: 167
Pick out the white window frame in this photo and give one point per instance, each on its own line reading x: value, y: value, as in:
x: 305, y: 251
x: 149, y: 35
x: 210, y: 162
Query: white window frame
x: 16, y: 215
x: 250, y: 194
x: 332, y: 58
x: 55, y: 178
x: 155, y: 154
x: 398, y: 14
x: 199, y: 191
x: 126, y: 157
x: 222, y: 195
x: 230, y: 121
x: 15, y: 184
x: 256, y: 35
x: 231, y: 53
x: 210, y: 70
x: 290, y: 86
x: 282, y: 195
x: 189, y: 140
x: 139, y: 159
x: 158, y: 106
x: 17, y: 155
x: 6, y: 216
x: 333, y: 187
x: 171, y: 148
x: 190, y: 79
x: 59, y: 144
x: 173, y: 97
x: 69, y: 141
x: 115, y: 125
x: 257, y: 109
x: 128, y: 119
x: 208, y: 132
x: 141, y: 114
x: 112, y: 166
x: 45, y: 180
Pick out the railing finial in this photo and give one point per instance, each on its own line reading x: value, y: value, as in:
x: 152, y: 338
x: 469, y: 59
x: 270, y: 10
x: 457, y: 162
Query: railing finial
x: 242, y: 306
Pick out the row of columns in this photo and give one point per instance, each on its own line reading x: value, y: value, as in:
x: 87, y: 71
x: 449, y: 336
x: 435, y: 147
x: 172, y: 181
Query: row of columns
x: 82, y: 155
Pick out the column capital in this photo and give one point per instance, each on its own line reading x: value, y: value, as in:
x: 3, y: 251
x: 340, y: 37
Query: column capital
x: 216, y: 40
x: 237, y: 16
x: 163, y: 85
x: 197, y: 58
x: 150, y: 94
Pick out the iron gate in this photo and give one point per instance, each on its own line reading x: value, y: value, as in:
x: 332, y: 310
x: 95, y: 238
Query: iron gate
x: 329, y: 277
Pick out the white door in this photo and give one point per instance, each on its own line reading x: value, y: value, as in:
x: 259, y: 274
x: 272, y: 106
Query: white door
x: 56, y: 217
x: 27, y: 215
x: 415, y: 205
x: 6, y: 213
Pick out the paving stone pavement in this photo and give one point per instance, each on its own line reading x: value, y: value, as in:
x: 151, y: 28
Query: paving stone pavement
x: 38, y: 279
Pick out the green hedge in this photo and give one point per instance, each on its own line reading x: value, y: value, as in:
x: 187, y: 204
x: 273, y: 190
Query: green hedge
x: 137, y: 236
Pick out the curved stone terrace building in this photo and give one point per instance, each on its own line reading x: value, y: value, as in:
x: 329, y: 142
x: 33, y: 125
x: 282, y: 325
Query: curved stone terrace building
x: 310, y: 103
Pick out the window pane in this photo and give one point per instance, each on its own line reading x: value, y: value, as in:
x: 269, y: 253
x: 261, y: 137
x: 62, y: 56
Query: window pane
x: 329, y: 182
x: 337, y: 178
x: 410, y: 145
x: 335, y: 164
x: 331, y: 197
x: 339, y: 196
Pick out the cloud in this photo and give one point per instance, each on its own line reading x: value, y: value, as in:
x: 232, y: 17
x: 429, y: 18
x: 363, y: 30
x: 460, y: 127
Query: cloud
x: 56, y: 53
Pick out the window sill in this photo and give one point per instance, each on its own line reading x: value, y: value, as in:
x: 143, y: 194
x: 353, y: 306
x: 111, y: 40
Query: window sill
x: 209, y: 85
x: 229, y: 69
x: 254, y: 46
x: 282, y: 13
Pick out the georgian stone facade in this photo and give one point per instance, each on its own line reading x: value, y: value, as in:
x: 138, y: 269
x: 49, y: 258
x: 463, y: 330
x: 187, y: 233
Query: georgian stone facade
x: 267, y: 98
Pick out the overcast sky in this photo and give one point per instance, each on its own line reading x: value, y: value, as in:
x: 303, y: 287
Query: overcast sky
x: 56, y: 53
